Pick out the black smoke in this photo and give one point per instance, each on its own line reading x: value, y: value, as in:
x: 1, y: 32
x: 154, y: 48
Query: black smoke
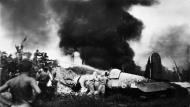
x: 25, y: 18
x: 99, y: 30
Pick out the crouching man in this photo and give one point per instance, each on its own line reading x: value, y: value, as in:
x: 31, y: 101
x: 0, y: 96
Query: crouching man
x: 100, y: 83
x: 86, y: 82
x: 23, y: 88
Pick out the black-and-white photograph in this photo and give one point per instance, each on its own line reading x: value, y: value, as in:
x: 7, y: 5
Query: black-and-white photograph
x: 94, y: 53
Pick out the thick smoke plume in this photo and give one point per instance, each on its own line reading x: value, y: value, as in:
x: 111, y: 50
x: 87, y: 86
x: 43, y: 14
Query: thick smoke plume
x: 174, y: 43
x: 26, y: 18
x: 99, y: 29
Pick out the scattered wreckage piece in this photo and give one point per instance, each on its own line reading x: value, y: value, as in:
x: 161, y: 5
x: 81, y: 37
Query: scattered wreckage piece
x: 183, y: 84
x: 155, y: 89
x: 164, y: 88
x: 181, y: 88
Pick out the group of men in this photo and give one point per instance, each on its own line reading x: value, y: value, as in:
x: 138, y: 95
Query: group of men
x: 93, y: 84
x: 26, y: 87
x: 29, y: 79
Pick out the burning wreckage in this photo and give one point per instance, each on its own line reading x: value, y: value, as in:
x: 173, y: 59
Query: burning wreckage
x: 55, y: 80
x: 114, y: 82
x: 100, y: 34
x: 155, y: 82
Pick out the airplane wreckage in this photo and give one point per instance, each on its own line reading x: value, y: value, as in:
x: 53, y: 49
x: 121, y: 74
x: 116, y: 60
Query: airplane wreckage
x: 92, y: 81
x: 115, y: 81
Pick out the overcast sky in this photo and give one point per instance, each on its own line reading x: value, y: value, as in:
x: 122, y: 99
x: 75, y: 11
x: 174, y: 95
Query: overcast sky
x: 156, y: 19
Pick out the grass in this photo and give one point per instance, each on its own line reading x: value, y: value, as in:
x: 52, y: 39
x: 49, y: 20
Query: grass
x: 121, y: 98
x: 116, y: 100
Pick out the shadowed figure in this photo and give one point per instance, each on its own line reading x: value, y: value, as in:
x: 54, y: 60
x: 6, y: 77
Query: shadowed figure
x: 23, y: 88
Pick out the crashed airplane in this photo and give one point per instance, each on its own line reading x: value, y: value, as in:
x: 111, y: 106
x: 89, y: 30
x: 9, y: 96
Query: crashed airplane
x: 116, y: 81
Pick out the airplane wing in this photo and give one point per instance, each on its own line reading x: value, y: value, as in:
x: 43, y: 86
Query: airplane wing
x: 153, y: 86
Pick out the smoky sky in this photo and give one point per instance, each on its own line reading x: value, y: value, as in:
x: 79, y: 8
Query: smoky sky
x: 25, y: 18
x: 174, y: 43
x: 98, y: 29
